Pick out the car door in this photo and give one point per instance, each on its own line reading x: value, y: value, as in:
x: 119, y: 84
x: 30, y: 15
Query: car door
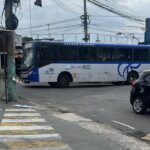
x: 146, y: 86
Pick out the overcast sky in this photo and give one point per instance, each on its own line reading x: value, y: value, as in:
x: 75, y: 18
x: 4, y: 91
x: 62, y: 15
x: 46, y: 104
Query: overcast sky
x: 101, y: 21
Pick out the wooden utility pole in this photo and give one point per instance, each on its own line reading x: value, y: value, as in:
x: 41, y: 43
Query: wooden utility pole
x: 10, y: 47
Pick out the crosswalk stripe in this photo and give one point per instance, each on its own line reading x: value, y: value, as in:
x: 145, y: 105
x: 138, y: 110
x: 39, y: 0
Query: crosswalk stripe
x: 21, y: 114
x: 48, y: 148
x: 23, y: 120
x: 5, y: 138
x: 26, y: 132
x: 26, y: 128
x: 22, y: 117
x: 23, y: 132
x: 17, y: 124
x: 23, y: 129
x: 34, y: 144
x: 20, y: 110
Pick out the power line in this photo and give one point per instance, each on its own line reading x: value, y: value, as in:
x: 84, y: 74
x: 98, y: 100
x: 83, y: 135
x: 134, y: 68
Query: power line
x: 62, y: 27
x: 115, y: 11
x: 52, y: 23
x: 108, y: 30
x: 121, y: 26
x: 64, y: 6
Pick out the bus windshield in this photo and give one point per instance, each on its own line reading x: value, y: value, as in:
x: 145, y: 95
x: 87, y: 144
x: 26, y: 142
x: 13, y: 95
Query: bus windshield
x: 28, y: 59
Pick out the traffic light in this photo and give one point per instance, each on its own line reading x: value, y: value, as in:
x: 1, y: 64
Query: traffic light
x: 38, y: 3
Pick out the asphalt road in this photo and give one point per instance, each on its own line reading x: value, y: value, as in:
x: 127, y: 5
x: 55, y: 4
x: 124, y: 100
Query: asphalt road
x: 107, y: 104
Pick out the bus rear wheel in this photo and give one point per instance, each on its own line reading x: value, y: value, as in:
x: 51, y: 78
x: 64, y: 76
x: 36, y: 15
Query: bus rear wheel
x: 63, y: 81
x: 132, y: 76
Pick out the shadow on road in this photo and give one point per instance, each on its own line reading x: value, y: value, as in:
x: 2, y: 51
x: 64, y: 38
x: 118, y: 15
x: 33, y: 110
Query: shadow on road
x: 74, y: 86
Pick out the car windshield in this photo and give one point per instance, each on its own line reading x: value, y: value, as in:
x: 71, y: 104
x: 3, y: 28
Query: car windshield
x: 28, y: 59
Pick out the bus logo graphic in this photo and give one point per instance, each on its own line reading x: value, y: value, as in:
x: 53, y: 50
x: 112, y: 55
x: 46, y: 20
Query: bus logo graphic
x: 124, y: 69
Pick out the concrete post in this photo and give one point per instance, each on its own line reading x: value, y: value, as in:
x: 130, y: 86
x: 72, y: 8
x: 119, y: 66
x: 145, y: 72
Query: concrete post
x: 11, y: 85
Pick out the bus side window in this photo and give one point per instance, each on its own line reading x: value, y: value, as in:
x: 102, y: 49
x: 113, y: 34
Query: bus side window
x: 64, y: 53
x: 73, y: 51
x: 141, y: 54
x: 124, y: 54
x: 83, y: 53
x: 99, y: 54
x: 108, y: 54
x: 41, y: 59
x: 46, y: 54
x: 92, y: 53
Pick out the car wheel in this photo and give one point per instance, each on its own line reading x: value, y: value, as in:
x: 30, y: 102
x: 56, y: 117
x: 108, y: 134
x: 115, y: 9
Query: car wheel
x: 139, y: 106
x: 63, y: 81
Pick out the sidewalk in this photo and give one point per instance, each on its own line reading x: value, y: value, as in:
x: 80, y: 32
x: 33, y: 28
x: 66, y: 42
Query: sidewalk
x: 26, y: 129
x: 23, y: 128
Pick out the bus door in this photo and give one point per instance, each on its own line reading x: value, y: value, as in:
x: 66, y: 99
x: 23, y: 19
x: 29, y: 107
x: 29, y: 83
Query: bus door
x: 45, y: 57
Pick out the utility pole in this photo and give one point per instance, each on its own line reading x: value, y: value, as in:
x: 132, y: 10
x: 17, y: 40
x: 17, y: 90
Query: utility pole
x: 85, y: 21
x: 10, y: 47
x: 11, y: 23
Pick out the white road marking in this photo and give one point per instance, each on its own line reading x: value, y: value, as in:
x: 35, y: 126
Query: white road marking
x: 115, y: 135
x: 23, y: 120
x: 66, y: 147
x: 101, y: 109
x: 19, y: 110
x: 111, y: 134
x: 26, y: 128
x: 123, y: 124
x: 5, y: 138
x: 72, y: 117
x: 21, y: 114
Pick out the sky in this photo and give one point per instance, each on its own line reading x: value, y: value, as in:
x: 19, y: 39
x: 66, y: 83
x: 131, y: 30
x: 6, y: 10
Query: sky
x: 53, y: 12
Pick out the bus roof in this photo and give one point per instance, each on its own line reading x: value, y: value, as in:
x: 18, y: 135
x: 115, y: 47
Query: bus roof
x: 92, y: 44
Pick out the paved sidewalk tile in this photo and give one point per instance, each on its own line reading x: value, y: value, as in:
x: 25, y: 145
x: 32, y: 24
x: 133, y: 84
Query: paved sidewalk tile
x: 25, y: 129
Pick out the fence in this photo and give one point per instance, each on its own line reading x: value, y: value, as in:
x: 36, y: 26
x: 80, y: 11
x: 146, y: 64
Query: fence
x: 93, y: 37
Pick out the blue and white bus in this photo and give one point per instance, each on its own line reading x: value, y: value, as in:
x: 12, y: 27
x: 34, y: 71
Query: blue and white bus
x: 60, y: 63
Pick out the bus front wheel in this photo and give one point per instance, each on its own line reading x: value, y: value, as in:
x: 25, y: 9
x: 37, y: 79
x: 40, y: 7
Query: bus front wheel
x: 63, y: 81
